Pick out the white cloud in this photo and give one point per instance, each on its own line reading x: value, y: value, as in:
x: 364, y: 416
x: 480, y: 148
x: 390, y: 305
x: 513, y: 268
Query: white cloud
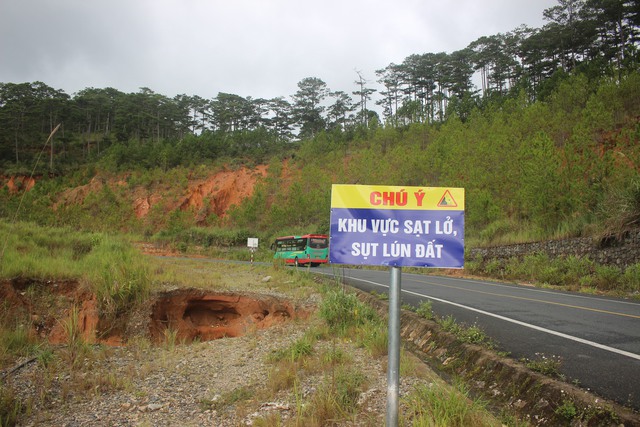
x: 257, y: 48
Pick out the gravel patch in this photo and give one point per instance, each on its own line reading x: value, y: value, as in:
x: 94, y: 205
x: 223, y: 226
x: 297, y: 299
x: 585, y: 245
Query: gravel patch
x: 142, y: 385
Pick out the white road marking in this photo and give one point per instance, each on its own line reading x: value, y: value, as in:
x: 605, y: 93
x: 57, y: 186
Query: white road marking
x: 514, y: 321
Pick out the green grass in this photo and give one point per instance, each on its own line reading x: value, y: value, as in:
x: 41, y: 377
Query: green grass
x: 342, y: 311
x: 299, y: 349
x: 435, y: 405
x: 110, y: 265
x: 467, y: 334
x: 545, y: 364
x: 336, y: 398
x: 113, y: 269
x: 228, y: 398
x: 570, y: 273
x: 425, y: 309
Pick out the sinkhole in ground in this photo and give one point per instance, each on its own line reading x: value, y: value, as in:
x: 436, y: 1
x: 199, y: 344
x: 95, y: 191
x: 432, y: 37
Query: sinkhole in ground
x: 200, y: 315
x: 185, y: 315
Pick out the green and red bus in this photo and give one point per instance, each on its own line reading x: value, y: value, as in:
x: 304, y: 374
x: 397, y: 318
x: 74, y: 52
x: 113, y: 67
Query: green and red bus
x: 307, y: 249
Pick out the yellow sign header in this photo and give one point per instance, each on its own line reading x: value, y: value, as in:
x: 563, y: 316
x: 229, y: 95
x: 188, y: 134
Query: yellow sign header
x: 393, y: 197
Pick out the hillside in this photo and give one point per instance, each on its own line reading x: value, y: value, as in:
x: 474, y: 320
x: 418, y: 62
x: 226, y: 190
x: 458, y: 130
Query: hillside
x: 213, y: 194
x: 203, y: 199
x: 568, y: 166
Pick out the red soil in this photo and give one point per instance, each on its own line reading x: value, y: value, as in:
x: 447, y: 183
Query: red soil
x: 191, y: 313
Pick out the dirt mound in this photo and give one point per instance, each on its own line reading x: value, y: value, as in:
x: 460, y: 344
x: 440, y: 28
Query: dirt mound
x: 214, y: 194
x: 142, y: 204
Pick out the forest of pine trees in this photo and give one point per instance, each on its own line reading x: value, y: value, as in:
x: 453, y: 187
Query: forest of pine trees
x: 591, y: 37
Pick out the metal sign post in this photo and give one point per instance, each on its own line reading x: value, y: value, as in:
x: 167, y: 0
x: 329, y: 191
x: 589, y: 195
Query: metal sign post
x: 396, y: 227
x: 393, y: 369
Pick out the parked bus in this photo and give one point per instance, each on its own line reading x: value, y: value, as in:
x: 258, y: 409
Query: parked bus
x: 300, y: 250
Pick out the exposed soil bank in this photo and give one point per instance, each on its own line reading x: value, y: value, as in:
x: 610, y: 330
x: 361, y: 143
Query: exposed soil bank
x: 502, y: 381
x: 197, y: 314
x: 186, y: 314
x: 46, y: 305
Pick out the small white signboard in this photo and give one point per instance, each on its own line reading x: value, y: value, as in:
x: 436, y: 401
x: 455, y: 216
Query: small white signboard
x: 252, y: 242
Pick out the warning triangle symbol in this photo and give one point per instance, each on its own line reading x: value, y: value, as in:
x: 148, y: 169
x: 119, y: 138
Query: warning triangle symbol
x: 447, y: 201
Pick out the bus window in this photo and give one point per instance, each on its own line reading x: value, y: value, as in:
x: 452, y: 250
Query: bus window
x: 318, y: 243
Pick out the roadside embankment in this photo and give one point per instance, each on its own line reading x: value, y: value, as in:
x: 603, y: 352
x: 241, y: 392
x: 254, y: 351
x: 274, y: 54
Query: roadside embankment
x: 621, y: 251
x: 505, y: 382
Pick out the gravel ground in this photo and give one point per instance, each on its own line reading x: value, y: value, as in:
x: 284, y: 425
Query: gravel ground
x: 145, y: 385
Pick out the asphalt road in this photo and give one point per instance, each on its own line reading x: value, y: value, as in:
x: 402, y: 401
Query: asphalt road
x: 597, y: 338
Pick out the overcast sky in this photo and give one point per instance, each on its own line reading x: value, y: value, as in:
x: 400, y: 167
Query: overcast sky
x: 256, y: 48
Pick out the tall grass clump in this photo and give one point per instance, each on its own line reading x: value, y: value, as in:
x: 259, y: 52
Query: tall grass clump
x: 343, y: 311
x: 435, y: 405
x: 374, y: 336
x: 607, y: 277
x: 467, y: 334
x: 10, y: 407
x: 15, y: 341
x: 118, y: 275
x: 336, y: 398
x: 77, y: 346
x: 621, y: 209
x: 298, y: 350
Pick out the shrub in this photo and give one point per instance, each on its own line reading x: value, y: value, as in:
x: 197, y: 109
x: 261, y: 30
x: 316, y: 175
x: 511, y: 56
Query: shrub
x: 550, y: 274
x: 631, y: 278
x: 567, y: 410
x: 533, y: 263
x: 607, y: 277
x: 425, y: 309
x: 494, y: 268
x: 576, y: 268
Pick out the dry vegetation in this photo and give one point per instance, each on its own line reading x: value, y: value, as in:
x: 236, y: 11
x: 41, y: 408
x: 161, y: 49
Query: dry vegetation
x: 313, y: 370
